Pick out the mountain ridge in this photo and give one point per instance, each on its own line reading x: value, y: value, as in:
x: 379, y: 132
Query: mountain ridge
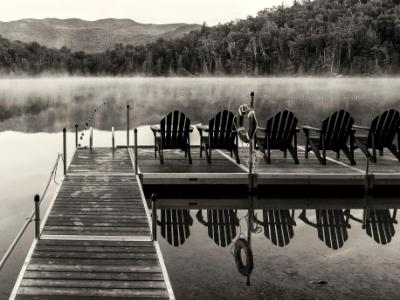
x: 90, y: 36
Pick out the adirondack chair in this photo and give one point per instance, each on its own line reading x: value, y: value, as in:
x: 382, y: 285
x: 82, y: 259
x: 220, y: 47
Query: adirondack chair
x: 221, y: 135
x: 380, y: 135
x: 378, y: 224
x: 221, y: 224
x: 278, y: 225
x: 175, y: 225
x: 173, y: 133
x: 331, y: 225
x: 280, y: 133
x: 333, y: 135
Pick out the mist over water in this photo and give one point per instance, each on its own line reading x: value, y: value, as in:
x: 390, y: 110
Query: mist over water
x: 49, y: 104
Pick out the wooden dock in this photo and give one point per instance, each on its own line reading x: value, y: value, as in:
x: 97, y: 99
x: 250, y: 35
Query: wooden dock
x: 95, y: 238
x: 282, y: 171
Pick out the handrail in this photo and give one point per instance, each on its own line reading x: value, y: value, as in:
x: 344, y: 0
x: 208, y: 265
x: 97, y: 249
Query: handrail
x: 32, y: 215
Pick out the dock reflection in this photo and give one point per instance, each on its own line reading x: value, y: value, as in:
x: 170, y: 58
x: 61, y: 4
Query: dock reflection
x: 239, y: 225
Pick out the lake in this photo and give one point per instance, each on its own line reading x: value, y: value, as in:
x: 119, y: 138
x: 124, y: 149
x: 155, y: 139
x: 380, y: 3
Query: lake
x: 34, y: 111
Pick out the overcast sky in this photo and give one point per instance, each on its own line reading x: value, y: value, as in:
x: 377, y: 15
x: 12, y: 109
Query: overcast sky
x: 144, y: 11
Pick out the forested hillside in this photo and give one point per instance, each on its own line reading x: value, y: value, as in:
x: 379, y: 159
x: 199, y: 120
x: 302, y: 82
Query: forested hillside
x: 348, y: 37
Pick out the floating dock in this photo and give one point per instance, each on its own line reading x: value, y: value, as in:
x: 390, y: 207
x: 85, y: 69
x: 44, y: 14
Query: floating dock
x: 96, y: 239
x: 224, y: 170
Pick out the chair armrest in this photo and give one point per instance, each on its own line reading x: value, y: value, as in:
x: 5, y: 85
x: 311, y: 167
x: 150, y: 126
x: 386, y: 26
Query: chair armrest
x: 358, y: 127
x: 201, y: 128
x: 155, y: 128
x: 308, y: 128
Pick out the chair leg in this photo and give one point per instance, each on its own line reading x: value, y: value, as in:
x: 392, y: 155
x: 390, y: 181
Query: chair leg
x: 315, y: 149
x: 236, y: 153
x: 381, y: 152
x: 209, y: 155
x: 160, y: 154
x: 285, y: 153
x: 201, y: 149
x: 323, y: 149
x: 206, y: 152
x: 268, y: 149
x: 293, y: 153
x: 350, y: 155
x: 392, y: 148
x: 307, y: 147
x: 338, y: 155
x: 189, y: 154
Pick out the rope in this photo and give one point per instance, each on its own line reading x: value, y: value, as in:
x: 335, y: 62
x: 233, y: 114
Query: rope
x: 30, y: 218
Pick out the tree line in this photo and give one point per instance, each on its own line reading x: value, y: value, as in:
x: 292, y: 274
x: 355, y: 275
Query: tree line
x: 348, y: 37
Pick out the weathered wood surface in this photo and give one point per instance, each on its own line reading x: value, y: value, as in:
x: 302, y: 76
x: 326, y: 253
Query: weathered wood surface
x: 68, y: 269
x: 98, y: 205
x: 99, y: 199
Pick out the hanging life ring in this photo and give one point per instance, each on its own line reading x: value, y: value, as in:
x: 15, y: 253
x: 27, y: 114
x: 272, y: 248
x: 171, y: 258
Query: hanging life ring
x: 244, y: 269
x: 246, y: 135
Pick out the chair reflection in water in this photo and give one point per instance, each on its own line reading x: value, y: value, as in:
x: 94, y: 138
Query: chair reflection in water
x: 175, y: 225
x: 221, y: 224
x: 278, y: 225
x: 331, y: 224
x: 378, y: 224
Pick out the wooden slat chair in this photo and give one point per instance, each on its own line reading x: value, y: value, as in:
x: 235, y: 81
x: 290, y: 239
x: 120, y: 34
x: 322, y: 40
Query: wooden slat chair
x: 175, y: 225
x: 331, y: 225
x: 278, y: 225
x: 380, y: 135
x: 334, y: 134
x: 222, y: 135
x: 173, y: 133
x: 221, y: 224
x: 378, y: 224
x: 280, y: 133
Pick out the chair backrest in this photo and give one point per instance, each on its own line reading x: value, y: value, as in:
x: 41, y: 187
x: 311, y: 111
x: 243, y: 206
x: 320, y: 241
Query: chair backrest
x: 278, y: 226
x: 337, y: 129
x: 379, y: 225
x: 222, y: 132
x: 222, y: 226
x: 332, y: 227
x: 385, y: 127
x: 174, y: 130
x: 281, y: 128
x: 175, y: 225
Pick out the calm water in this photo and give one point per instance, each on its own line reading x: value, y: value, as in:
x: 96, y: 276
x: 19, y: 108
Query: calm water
x: 33, y: 112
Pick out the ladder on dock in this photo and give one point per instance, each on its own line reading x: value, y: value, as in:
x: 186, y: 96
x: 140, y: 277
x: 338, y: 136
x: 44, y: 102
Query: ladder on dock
x: 95, y: 238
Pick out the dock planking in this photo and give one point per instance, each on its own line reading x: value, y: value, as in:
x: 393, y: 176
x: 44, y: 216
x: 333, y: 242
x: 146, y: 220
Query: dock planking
x: 96, y: 238
x: 281, y: 171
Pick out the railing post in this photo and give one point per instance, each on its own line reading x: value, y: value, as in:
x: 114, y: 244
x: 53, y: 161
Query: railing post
x: 91, y: 138
x: 65, y: 150
x: 136, y: 152
x: 112, y: 138
x: 154, y: 216
x: 76, y: 135
x: 37, y: 216
x: 127, y: 125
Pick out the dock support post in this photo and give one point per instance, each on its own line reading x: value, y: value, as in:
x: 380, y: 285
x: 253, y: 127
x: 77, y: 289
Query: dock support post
x: 136, y: 152
x: 154, y: 216
x: 76, y: 135
x: 91, y: 138
x: 65, y: 150
x: 112, y: 138
x: 127, y: 125
x: 37, y: 216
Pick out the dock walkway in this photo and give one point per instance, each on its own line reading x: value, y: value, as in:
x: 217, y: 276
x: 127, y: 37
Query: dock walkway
x: 95, y: 238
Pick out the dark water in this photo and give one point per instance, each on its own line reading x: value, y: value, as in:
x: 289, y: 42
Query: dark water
x: 199, y: 267
x: 318, y: 253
